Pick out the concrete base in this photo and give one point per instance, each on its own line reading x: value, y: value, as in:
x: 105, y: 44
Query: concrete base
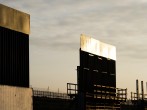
x: 15, y: 98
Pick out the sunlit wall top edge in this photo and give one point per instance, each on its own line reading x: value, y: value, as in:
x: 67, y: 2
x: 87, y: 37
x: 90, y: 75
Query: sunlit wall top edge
x: 15, y: 20
x: 96, y: 47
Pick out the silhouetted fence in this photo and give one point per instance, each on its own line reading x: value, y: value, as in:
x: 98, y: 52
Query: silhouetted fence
x: 48, y: 94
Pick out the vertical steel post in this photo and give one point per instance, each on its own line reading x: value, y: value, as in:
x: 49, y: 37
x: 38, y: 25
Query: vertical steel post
x: 125, y: 94
x: 142, y: 90
x: 137, y: 89
x: 146, y: 87
x: 131, y: 96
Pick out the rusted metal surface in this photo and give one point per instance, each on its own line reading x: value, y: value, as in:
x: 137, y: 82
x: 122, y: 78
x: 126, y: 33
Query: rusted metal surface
x: 15, y: 98
x: 14, y: 19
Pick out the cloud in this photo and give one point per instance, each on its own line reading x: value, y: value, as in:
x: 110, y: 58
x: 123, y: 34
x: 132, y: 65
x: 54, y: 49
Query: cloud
x: 61, y: 22
x: 133, y: 50
x: 55, y: 45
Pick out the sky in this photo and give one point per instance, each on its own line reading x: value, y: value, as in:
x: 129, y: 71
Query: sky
x: 56, y: 26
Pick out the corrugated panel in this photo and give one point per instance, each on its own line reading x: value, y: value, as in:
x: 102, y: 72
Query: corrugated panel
x: 14, y: 58
x: 97, y: 70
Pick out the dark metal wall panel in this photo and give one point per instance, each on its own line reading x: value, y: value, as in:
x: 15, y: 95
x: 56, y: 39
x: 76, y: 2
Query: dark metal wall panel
x: 96, y: 70
x: 14, y: 58
x: 96, y: 78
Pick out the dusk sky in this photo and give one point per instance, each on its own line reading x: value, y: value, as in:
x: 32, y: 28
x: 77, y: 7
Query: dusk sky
x: 56, y: 26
